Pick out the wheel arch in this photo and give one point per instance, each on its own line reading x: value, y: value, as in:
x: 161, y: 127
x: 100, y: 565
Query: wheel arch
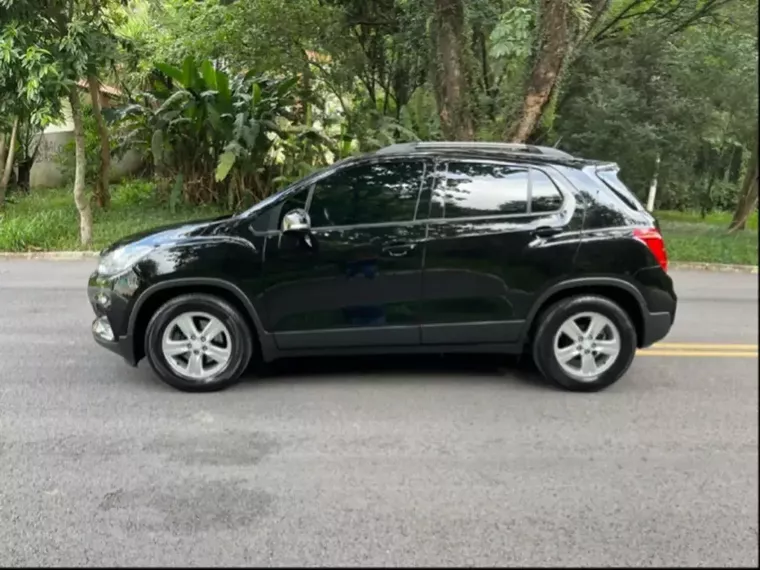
x: 158, y: 294
x: 621, y: 292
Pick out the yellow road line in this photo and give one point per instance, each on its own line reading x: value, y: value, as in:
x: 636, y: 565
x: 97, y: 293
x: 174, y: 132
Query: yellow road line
x: 701, y: 350
x: 701, y: 346
x: 695, y: 353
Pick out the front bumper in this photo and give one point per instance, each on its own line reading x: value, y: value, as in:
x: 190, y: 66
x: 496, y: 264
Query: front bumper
x: 123, y: 346
x: 110, y: 299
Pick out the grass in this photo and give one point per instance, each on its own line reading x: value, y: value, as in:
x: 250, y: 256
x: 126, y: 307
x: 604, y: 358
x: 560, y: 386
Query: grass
x: 690, y: 238
x: 47, y: 220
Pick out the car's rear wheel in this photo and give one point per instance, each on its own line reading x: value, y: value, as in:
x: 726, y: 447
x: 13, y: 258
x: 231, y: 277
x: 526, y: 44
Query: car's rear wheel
x: 584, y: 343
x: 198, y: 343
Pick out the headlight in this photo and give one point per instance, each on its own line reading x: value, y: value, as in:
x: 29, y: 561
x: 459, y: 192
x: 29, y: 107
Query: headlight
x: 123, y: 258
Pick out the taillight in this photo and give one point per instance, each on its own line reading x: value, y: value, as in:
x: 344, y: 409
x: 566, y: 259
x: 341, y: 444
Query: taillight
x: 653, y: 240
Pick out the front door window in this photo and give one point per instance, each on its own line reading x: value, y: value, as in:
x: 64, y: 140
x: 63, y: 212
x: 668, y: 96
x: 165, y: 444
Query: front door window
x: 367, y: 194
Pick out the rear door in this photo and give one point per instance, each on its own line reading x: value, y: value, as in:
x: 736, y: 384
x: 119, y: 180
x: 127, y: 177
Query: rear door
x: 497, y: 233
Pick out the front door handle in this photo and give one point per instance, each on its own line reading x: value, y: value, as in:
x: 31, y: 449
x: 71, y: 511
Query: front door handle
x: 399, y: 250
x: 546, y: 231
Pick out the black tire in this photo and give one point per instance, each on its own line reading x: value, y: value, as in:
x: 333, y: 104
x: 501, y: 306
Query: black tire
x: 554, y: 317
x: 242, y: 342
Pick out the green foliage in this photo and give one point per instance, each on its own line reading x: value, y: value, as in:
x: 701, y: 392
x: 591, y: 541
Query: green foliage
x: 41, y: 230
x: 45, y: 46
x: 134, y: 193
x: 66, y: 157
x: 668, y: 78
x: 714, y: 219
x: 213, y: 128
x: 259, y: 35
x: 420, y: 116
x: 690, y: 98
x: 512, y: 36
x: 708, y: 243
x: 48, y: 220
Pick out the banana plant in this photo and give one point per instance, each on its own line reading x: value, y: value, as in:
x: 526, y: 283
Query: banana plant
x: 204, y: 123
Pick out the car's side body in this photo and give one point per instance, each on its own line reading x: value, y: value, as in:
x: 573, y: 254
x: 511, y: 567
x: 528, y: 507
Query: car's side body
x: 420, y: 283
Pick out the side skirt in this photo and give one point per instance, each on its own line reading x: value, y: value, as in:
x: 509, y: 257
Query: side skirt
x: 490, y: 348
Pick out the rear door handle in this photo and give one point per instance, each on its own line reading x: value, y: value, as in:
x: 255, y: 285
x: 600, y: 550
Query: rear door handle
x: 546, y: 231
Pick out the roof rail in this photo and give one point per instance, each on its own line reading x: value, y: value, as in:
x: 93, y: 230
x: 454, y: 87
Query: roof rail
x: 397, y: 148
x: 473, y: 145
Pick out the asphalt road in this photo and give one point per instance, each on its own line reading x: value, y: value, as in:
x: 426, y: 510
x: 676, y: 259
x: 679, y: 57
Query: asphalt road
x: 382, y: 462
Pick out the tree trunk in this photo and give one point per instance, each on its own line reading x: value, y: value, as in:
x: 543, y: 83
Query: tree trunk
x: 2, y: 153
x: 451, y: 77
x: 653, y: 186
x: 102, y: 195
x: 80, y: 198
x: 23, y: 180
x: 9, y: 162
x: 552, y: 49
x: 748, y: 196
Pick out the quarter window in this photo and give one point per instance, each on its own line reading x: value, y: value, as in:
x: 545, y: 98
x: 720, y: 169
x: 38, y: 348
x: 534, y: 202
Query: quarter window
x: 469, y: 189
x: 545, y: 196
x: 367, y: 194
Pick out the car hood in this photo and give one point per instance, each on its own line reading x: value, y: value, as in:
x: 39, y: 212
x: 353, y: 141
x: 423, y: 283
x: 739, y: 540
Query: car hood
x: 170, y: 233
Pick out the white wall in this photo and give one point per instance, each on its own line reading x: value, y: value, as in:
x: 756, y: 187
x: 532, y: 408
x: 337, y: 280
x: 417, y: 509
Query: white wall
x: 46, y: 172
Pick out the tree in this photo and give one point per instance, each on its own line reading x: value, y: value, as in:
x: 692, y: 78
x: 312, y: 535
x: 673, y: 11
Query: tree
x: 621, y: 80
x: 2, y: 152
x: 9, y: 162
x: 29, y: 141
x: 80, y: 199
x: 562, y: 28
x: 551, y: 50
x: 102, y: 195
x: 452, y: 80
x: 748, y: 194
x: 689, y: 96
x: 47, y: 47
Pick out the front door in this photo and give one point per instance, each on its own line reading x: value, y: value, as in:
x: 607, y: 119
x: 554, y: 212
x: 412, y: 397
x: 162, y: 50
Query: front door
x: 355, y: 280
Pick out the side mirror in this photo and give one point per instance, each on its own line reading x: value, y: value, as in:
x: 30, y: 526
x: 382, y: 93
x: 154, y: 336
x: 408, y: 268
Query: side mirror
x: 296, y: 221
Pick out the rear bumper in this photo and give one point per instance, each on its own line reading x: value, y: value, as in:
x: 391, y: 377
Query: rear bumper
x: 659, y: 304
x: 656, y: 327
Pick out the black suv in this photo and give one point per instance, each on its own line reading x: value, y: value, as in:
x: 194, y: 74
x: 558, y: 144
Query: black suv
x: 419, y: 247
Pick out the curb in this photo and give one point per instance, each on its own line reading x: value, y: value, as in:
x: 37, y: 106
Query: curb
x: 75, y: 255
x: 720, y: 267
x: 50, y: 255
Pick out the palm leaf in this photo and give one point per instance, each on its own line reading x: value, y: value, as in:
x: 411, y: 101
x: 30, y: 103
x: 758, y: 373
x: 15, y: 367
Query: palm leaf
x: 170, y: 71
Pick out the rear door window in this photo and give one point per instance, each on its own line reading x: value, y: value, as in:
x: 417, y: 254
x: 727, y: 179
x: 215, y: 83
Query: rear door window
x: 473, y: 189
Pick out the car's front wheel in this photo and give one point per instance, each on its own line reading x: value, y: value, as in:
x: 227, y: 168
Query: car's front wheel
x: 584, y: 343
x: 198, y: 343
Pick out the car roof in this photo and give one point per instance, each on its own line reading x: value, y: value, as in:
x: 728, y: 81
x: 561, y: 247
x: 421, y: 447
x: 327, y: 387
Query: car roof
x: 486, y: 150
